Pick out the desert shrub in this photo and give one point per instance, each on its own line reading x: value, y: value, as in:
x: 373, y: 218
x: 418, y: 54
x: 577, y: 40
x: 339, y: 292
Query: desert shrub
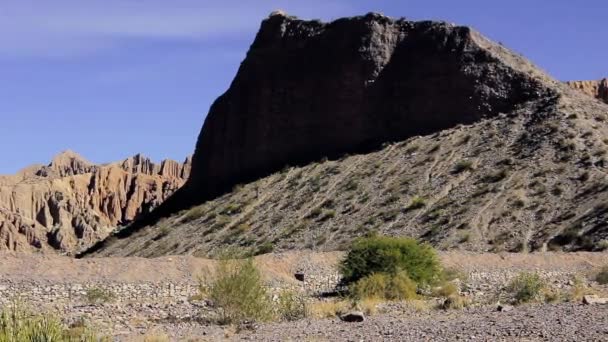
x: 578, y: 290
x: 193, y: 214
x: 602, y: 245
x: 416, y: 203
x: 18, y: 324
x: 265, y: 248
x: 96, y: 295
x: 461, y: 166
x: 327, y: 309
x: 602, y: 276
x: 239, y: 292
x: 380, y: 254
x: 455, y: 302
x: 327, y: 214
x: 495, y: 176
x: 290, y: 307
x: 446, y: 290
x: 526, y: 287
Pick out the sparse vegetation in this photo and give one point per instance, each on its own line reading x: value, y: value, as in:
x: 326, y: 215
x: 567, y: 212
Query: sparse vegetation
x: 96, y: 295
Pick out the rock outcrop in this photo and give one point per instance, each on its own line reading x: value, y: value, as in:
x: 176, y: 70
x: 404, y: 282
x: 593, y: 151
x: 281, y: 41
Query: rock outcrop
x: 71, y: 203
x: 597, y: 89
x: 422, y: 129
x: 308, y: 90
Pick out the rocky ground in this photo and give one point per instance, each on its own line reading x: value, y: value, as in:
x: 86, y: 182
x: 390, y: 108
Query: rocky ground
x: 157, y: 297
x: 549, y: 322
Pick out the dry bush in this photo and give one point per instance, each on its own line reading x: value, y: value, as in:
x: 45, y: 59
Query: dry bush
x: 385, y: 286
x: 327, y: 309
x: 455, y: 302
x: 602, y: 276
x: 526, y: 287
x: 290, y: 306
x: 239, y: 292
x: 446, y: 290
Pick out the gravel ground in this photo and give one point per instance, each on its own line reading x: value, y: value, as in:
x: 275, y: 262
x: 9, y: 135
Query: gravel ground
x: 558, y: 322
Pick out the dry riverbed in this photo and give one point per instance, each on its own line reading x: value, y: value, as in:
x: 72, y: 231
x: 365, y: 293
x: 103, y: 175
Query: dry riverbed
x: 156, y: 297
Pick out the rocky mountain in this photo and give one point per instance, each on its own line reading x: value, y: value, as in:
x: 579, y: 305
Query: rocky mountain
x: 597, y: 89
x: 425, y: 129
x: 71, y: 203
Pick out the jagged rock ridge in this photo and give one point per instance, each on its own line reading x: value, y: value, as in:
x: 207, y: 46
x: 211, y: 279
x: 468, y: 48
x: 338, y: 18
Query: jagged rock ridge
x: 71, y: 203
x: 597, y: 89
x: 494, y: 153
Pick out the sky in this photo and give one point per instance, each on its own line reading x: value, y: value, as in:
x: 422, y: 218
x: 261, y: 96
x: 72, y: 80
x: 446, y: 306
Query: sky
x: 112, y: 78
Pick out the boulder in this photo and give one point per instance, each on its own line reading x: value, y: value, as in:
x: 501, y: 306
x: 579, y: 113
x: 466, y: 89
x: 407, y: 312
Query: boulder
x: 594, y: 299
x: 353, y: 316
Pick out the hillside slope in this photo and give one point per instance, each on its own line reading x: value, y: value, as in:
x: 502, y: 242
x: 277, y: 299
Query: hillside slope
x: 72, y: 203
x: 490, y: 153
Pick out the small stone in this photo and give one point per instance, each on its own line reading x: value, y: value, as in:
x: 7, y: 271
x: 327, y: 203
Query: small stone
x: 594, y: 299
x: 504, y: 308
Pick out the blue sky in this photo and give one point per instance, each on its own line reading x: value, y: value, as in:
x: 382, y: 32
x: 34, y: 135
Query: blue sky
x: 111, y: 78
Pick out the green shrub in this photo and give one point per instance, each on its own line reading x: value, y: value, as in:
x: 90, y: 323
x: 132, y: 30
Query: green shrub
x: 526, y: 287
x: 95, y: 295
x: 385, y: 286
x: 380, y: 254
x: 18, y: 324
x: 239, y: 292
x: 602, y: 276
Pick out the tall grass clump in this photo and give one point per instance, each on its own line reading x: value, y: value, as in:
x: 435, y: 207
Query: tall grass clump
x: 18, y: 324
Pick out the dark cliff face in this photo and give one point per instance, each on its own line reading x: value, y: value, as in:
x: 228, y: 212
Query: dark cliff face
x: 309, y: 90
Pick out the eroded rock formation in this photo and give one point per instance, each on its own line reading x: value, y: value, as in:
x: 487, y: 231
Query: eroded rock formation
x: 597, y: 89
x: 71, y: 203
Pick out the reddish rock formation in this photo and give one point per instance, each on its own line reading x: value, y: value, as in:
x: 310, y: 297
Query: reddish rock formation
x: 71, y: 203
x: 597, y: 89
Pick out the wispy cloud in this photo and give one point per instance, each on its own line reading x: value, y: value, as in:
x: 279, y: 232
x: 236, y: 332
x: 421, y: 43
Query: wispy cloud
x: 71, y: 27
